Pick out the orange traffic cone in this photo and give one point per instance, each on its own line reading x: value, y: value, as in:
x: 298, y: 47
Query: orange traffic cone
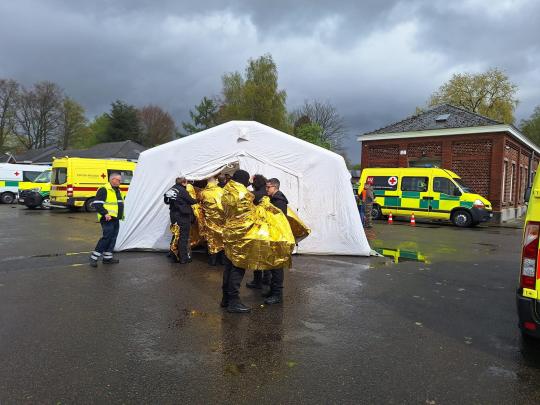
x: 413, y: 221
x: 390, y: 219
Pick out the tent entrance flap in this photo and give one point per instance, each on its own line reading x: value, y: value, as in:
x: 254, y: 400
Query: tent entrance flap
x: 211, y: 170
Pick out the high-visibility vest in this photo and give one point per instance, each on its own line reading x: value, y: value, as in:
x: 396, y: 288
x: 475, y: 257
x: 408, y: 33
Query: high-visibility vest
x: 111, y: 202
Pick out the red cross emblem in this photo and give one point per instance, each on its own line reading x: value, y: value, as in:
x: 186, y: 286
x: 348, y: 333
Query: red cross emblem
x: 392, y: 180
x: 103, y: 176
x: 17, y: 173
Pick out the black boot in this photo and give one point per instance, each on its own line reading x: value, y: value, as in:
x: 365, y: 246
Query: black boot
x: 212, y: 259
x: 93, y: 262
x: 238, y: 308
x: 257, y: 280
x: 273, y: 299
x: 224, y: 301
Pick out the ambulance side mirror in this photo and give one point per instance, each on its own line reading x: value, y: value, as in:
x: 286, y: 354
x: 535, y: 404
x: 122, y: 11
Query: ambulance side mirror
x: 527, y: 194
x: 457, y: 193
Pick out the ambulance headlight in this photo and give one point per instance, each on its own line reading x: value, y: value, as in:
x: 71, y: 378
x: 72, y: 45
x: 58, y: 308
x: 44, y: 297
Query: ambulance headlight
x: 36, y: 189
x: 478, y: 204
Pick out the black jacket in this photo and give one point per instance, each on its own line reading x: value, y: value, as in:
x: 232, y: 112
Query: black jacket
x: 280, y: 201
x: 101, y: 195
x: 259, y: 194
x: 179, y: 200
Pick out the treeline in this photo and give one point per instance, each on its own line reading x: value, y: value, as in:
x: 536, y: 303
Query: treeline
x: 43, y: 115
x: 255, y: 96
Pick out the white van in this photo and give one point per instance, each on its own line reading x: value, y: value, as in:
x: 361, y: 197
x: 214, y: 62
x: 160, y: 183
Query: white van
x: 13, y: 175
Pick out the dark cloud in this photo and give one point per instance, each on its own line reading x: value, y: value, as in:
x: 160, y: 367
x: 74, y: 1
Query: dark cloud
x: 374, y: 60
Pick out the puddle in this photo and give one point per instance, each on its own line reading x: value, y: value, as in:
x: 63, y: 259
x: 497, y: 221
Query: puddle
x: 402, y: 255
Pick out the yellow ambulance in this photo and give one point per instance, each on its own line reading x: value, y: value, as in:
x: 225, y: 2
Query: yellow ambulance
x: 431, y: 193
x: 527, y: 294
x: 75, y: 181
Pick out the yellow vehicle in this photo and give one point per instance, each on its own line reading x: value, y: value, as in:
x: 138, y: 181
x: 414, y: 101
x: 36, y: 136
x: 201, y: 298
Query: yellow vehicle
x: 75, y: 181
x: 427, y: 192
x: 528, y: 291
x: 35, y: 193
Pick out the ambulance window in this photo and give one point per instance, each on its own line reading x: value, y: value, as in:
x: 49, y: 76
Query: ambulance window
x: 127, y: 175
x: 30, y: 176
x: 384, y: 182
x: 44, y: 177
x: 443, y: 185
x: 419, y: 184
x: 59, y: 175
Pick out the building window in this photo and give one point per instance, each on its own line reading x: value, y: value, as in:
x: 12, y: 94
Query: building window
x: 512, y: 174
x: 505, y: 166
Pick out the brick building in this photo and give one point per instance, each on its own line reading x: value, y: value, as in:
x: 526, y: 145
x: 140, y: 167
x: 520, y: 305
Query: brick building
x: 494, y: 159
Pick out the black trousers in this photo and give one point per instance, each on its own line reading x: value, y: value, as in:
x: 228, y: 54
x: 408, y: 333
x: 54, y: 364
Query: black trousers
x: 276, y: 282
x: 184, y: 222
x: 232, y: 280
x: 108, y: 240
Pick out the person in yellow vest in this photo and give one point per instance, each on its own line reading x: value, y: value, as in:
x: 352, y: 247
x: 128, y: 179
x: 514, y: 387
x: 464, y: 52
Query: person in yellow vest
x: 110, y: 210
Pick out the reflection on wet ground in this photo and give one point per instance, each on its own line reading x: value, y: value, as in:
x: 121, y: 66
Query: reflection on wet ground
x: 399, y: 255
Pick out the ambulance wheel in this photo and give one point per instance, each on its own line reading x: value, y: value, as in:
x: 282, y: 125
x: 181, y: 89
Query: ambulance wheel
x: 7, y: 197
x: 45, y: 203
x: 462, y: 218
x: 376, y: 212
x: 89, y: 205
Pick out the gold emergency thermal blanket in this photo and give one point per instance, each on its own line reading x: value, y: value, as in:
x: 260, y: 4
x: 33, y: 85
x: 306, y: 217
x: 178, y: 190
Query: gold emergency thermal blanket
x: 255, y: 237
x: 196, y: 232
x: 213, y: 216
x: 298, y: 228
x: 175, y: 230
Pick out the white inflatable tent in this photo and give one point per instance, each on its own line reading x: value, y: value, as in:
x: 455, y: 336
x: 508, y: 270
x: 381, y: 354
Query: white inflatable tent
x: 315, y: 181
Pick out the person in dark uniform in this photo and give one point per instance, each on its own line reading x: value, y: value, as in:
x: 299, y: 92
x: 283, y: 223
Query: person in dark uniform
x: 258, y: 184
x: 109, y: 205
x: 181, y: 215
x: 278, y: 199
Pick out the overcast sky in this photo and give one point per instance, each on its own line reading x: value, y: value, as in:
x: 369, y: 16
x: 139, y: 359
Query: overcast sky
x: 374, y: 60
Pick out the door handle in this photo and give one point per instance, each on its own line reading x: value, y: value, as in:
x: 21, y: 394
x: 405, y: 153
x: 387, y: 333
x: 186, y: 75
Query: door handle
x: 427, y: 198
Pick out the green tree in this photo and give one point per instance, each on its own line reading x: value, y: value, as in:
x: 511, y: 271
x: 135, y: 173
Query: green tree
x: 205, y: 116
x: 313, y: 133
x: 72, y: 124
x: 255, y: 97
x: 531, y: 127
x: 124, y: 123
x: 490, y: 94
x: 94, y: 132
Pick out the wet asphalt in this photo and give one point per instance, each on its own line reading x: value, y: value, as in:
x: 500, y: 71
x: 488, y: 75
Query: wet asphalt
x: 352, y: 330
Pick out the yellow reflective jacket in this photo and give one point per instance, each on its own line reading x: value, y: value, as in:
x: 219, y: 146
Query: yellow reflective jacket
x: 111, y: 202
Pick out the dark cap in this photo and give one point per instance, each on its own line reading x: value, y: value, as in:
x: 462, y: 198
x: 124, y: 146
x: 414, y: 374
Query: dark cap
x: 242, y: 177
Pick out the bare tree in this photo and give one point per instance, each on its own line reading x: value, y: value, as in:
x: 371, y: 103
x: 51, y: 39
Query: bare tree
x: 9, y: 91
x: 157, y: 125
x: 39, y: 115
x: 326, y: 116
